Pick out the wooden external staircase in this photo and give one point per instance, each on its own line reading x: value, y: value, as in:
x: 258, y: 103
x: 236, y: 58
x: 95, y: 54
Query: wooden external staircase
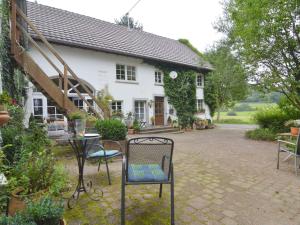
x: 57, y: 93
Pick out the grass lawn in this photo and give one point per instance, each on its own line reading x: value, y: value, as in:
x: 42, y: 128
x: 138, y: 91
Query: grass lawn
x: 245, y: 117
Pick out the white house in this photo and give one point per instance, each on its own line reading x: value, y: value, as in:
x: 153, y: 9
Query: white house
x: 106, y: 55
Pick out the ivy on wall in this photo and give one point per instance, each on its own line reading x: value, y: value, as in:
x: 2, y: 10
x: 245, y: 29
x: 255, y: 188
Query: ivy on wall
x: 181, y: 93
x: 13, y: 80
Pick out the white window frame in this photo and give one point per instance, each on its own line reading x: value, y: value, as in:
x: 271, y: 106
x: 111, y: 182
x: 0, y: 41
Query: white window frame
x: 129, y: 72
x: 38, y: 106
x: 199, y: 82
x: 200, y: 105
x: 115, y: 104
x: 158, y: 77
x: 138, y: 113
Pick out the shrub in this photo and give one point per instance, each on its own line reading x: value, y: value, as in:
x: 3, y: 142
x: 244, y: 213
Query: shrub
x: 111, y: 129
x: 18, y: 219
x: 272, y: 118
x: 243, y: 107
x: 263, y: 134
x: 231, y: 113
x: 45, y: 212
x: 289, y: 109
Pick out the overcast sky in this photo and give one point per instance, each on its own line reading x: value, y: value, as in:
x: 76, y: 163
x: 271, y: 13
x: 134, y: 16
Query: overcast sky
x: 191, y: 19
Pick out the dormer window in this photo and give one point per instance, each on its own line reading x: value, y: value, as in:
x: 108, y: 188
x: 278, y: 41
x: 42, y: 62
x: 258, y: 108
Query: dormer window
x: 158, y: 77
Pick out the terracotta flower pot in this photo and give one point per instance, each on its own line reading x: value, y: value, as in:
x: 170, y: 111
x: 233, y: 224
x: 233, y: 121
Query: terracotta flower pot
x: 130, y: 131
x: 294, y: 131
x: 4, y: 117
x: 17, y: 201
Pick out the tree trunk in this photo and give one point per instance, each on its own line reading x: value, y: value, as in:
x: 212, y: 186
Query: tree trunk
x: 218, y: 115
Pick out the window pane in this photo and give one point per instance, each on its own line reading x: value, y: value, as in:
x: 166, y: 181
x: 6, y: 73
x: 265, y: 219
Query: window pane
x: 120, y: 72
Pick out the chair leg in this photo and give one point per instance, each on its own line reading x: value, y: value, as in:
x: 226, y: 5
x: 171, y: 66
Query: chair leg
x: 296, y: 165
x: 160, y: 190
x: 172, y: 198
x: 99, y: 164
x: 123, y: 199
x: 278, y: 156
x: 107, y: 171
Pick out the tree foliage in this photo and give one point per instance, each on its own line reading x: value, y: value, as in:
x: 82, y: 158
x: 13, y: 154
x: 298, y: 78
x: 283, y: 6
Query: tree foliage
x: 192, y: 47
x: 266, y: 35
x: 132, y: 23
x: 227, y: 83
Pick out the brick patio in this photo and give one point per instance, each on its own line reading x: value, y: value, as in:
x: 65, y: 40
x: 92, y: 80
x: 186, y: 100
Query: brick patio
x: 220, y: 178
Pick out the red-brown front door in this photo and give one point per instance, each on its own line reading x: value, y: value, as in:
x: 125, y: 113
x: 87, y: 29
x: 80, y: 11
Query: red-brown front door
x: 159, y: 110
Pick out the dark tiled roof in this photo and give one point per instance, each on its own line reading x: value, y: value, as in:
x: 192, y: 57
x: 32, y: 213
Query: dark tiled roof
x: 73, y: 29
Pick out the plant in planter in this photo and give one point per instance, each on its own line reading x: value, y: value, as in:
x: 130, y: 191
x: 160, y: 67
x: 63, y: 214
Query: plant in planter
x: 112, y: 129
x: 77, y: 122
x: 169, y: 121
x: 35, y: 173
x: 201, y: 111
x: 136, y: 126
x: 294, y: 126
x: 45, y: 212
x: 117, y: 115
x: 91, y: 121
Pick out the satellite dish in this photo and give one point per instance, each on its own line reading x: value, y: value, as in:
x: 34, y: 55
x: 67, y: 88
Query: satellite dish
x: 173, y: 74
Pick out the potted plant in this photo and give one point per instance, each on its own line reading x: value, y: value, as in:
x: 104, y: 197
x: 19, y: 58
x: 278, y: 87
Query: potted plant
x: 46, y: 211
x: 169, y: 121
x: 5, y: 100
x: 136, y: 126
x: 294, y: 126
x: 77, y: 122
x: 35, y: 173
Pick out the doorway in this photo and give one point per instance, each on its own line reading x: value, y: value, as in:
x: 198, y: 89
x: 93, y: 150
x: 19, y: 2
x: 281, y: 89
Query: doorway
x: 159, y: 111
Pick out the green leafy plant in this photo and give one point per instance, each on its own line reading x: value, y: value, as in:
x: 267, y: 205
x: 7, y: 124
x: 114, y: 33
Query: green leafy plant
x: 5, y: 98
x: 181, y: 93
x: 45, y: 212
x: 136, y: 125
x: 111, y: 129
x: 272, y: 118
x: 264, y: 134
x: 77, y: 115
x: 18, y: 219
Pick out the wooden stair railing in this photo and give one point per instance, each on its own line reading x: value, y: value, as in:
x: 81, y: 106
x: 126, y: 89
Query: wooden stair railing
x: 58, y: 93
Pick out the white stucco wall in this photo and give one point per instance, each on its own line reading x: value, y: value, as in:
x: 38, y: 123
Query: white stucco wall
x: 99, y: 70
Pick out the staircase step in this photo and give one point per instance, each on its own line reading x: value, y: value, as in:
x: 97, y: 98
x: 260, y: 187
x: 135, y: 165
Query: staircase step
x: 159, y: 130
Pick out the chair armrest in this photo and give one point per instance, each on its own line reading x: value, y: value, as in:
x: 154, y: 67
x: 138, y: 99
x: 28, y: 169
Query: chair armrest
x: 114, y: 142
x: 286, y: 142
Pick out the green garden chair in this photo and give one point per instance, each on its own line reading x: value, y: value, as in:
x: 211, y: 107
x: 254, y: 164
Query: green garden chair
x: 148, y: 160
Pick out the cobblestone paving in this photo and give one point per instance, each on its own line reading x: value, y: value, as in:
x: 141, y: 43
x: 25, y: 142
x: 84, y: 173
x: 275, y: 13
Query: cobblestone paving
x: 221, y: 178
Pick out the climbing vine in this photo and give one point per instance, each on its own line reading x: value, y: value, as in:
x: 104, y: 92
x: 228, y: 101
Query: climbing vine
x: 13, y: 80
x: 181, y: 93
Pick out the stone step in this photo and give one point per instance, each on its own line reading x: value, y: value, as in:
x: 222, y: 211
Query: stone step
x: 159, y: 130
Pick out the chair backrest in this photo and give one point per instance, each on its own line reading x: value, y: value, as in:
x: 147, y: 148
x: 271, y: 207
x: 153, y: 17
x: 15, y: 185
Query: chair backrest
x: 150, y: 150
x: 92, y: 143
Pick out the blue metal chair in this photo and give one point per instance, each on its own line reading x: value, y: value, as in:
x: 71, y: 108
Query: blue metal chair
x: 96, y: 150
x: 148, y: 160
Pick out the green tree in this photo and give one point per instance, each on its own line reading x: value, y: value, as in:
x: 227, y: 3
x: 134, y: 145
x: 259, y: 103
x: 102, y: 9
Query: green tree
x: 132, y: 23
x: 266, y: 35
x: 228, y: 80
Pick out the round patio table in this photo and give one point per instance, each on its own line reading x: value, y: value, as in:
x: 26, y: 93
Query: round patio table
x: 81, y: 145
